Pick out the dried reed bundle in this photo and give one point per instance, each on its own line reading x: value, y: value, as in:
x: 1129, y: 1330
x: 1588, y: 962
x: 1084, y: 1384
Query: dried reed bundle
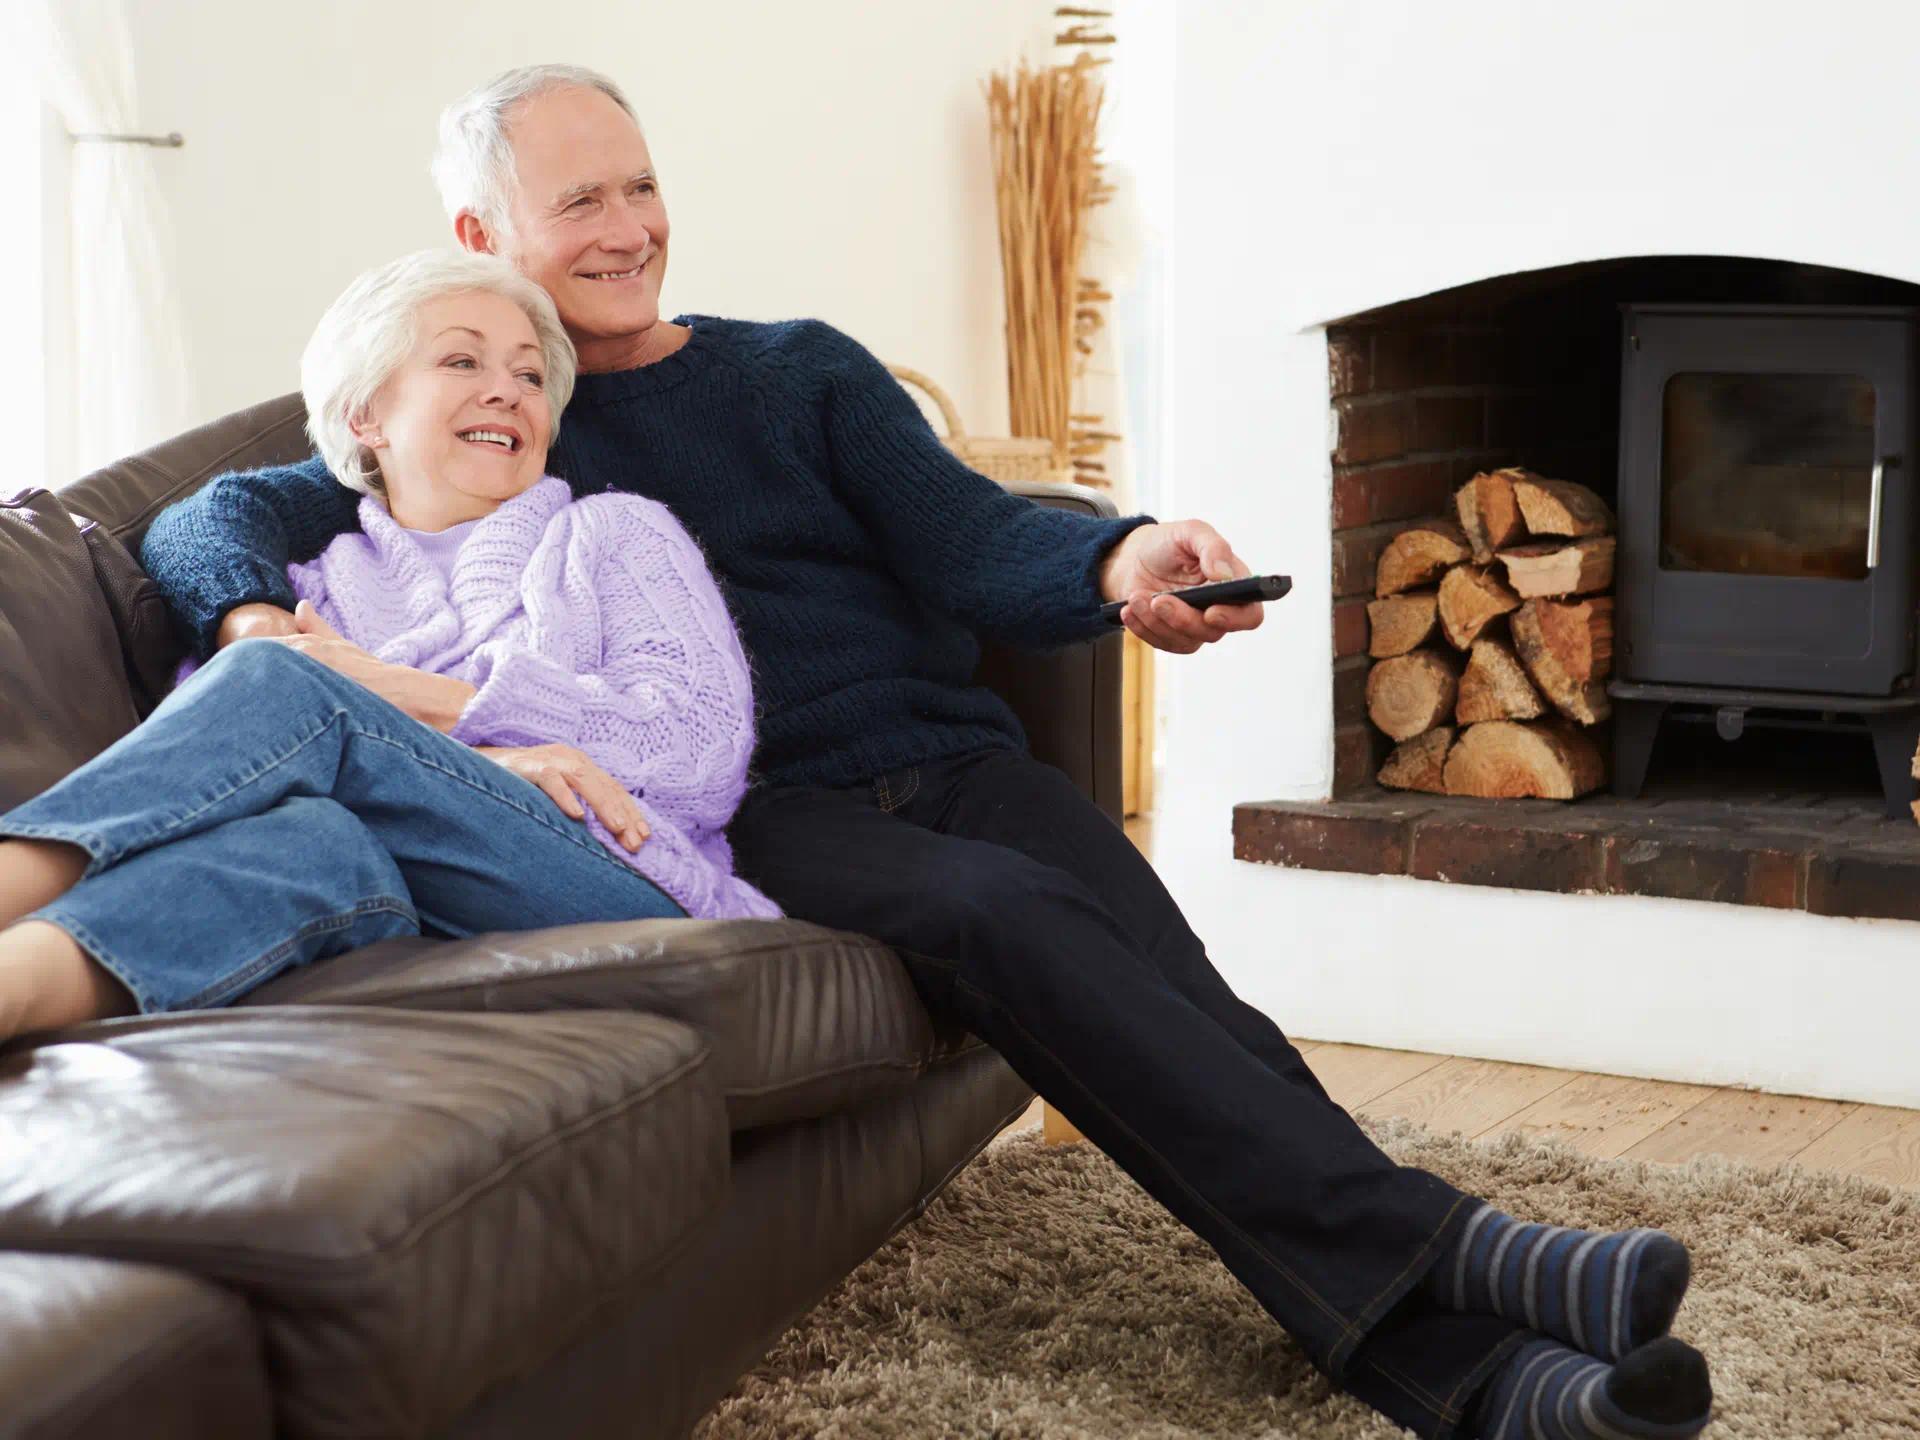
x: 1045, y: 178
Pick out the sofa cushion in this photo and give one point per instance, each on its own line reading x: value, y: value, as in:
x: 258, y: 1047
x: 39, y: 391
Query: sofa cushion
x: 126, y: 495
x: 68, y: 692
x: 804, y: 1021
x: 416, y: 1205
x: 98, y: 1350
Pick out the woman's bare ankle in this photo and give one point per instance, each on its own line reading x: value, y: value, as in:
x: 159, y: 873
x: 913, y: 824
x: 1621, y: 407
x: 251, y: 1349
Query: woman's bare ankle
x: 34, y: 873
x: 47, y: 980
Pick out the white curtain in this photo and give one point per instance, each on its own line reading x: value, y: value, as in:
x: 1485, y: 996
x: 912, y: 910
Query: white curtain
x: 126, y: 383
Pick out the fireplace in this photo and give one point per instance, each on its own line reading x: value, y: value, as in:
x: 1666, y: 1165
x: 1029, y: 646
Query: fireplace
x: 1428, y: 285
x: 1765, y: 567
x: 1762, y: 692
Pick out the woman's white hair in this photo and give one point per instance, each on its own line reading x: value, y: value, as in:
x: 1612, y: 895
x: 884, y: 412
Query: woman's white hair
x: 473, y: 165
x: 372, y: 327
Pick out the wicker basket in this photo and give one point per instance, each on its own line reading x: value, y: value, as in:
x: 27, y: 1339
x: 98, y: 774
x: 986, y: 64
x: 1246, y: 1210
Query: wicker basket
x: 1002, y: 458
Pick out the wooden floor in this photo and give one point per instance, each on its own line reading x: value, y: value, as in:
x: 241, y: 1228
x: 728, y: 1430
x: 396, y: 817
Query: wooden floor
x: 1605, y: 1116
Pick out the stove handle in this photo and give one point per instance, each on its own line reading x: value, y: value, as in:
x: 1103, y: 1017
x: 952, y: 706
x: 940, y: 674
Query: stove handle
x: 1880, y: 465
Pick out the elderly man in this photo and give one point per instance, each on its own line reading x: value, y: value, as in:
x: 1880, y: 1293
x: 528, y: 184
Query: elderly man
x: 895, y: 798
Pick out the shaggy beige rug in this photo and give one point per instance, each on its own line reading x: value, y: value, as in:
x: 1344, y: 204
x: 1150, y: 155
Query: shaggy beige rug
x: 1044, y: 1294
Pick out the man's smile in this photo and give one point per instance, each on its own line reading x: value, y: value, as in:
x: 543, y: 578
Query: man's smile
x: 617, y: 274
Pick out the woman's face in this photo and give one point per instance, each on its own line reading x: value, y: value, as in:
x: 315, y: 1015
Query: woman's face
x: 463, y: 424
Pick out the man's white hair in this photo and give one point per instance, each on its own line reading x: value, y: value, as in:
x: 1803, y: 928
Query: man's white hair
x: 473, y: 165
x: 374, y: 325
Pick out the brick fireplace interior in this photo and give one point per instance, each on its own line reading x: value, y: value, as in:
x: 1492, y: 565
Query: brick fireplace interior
x: 1525, y: 370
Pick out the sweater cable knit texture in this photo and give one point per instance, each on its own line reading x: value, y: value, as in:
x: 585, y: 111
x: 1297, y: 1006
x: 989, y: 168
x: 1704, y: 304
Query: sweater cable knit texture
x: 593, y: 624
x: 859, y: 557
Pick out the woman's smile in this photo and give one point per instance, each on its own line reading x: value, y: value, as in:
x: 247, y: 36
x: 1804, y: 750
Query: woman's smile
x: 499, y: 439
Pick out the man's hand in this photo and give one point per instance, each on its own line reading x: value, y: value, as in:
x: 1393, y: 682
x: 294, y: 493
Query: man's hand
x: 435, y: 700
x: 1171, y: 557
x: 257, y: 619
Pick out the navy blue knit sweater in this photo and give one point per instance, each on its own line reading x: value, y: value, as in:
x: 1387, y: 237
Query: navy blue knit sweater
x: 859, y: 557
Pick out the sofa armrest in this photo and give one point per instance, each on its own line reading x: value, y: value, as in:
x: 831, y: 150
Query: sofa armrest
x: 100, y: 1349
x: 415, y: 1207
x: 1068, y: 699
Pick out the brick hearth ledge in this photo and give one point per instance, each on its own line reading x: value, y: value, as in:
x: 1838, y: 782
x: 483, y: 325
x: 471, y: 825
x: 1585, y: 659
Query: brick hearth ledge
x: 1823, y: 855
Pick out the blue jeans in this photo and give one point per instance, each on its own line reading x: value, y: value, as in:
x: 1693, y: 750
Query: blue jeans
x: 272, y: 812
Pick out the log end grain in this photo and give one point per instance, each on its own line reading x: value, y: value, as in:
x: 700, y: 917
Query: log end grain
x: 1560, y: 507
x: 1410, y: 694
x: 1401, y: 623
x: 1420, y: 763
x: 1568, y: 651
x: 1530, y: 759
x: 1554, y: 569
x: 1488, y: 513
x: 1494, y: 686
x: 1470, y: 597
x: 1419, y: 555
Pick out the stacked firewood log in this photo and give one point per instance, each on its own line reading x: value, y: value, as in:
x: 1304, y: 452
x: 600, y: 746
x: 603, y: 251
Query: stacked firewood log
x: 1492, y: 639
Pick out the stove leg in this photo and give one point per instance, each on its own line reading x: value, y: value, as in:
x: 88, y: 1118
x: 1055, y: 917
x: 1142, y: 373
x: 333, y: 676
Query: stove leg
x: 1895, y: 734
x: 1635, y: 724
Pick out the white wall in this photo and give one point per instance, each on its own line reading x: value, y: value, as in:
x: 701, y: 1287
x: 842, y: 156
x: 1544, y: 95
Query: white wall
x: 830, y: 159
x: 827, y: 159
x: 1335, y: 157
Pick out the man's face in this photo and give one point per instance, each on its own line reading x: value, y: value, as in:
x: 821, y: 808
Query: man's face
x: 588, y: 222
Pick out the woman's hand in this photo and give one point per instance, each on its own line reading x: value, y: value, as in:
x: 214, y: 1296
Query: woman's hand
x: 570, y: 777
x: 435, y: 700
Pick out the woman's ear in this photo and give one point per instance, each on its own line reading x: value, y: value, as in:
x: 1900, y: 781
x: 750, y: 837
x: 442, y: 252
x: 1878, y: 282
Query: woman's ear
x: 364, y: 428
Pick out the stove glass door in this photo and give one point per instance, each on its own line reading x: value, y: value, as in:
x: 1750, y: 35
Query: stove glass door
x: 1766, y: 474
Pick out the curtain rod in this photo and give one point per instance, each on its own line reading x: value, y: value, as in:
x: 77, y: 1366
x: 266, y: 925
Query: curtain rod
x: 172, y: 140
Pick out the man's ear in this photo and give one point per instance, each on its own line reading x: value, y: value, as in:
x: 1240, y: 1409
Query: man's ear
x: 472, y: 233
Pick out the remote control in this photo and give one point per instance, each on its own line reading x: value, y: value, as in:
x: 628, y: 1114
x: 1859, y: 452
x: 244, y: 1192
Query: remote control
x: 1224, y: 592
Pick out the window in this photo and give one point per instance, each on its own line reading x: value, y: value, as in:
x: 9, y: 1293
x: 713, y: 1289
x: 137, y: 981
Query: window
x: 32, y: 268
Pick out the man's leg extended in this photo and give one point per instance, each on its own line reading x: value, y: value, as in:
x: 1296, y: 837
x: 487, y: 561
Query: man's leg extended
x: 1012, y: 800
x: 1326, y: 1231
x: 1422, y: 1360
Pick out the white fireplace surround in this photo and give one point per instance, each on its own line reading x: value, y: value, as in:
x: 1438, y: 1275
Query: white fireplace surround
x: 1332, y: 158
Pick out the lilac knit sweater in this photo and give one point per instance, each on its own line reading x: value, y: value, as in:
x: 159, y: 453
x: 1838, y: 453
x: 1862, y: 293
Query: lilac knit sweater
x: 593, y: 623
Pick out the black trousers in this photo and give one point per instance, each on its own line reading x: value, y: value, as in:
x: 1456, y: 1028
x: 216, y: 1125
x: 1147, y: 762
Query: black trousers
x: 1023, y: 911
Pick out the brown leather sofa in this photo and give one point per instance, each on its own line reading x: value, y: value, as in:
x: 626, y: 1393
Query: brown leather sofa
x: 569, y: 1182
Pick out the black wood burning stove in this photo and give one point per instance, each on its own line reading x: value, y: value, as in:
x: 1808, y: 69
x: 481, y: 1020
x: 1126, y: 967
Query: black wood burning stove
x: 1765, y: 563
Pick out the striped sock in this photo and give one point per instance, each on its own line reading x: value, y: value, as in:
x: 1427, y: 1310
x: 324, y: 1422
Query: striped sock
x: 1602, y: 1293
x: 1548, y: 1392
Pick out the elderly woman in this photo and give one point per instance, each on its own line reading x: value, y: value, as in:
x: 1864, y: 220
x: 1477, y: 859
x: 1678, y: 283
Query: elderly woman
x: 505, y: 709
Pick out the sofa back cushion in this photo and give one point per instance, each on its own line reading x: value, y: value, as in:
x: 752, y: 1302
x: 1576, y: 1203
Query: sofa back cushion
x: 83, y: 639
x: 126, y: 495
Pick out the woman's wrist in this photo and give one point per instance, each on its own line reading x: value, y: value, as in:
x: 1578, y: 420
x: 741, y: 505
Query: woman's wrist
x: 437, y: 700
